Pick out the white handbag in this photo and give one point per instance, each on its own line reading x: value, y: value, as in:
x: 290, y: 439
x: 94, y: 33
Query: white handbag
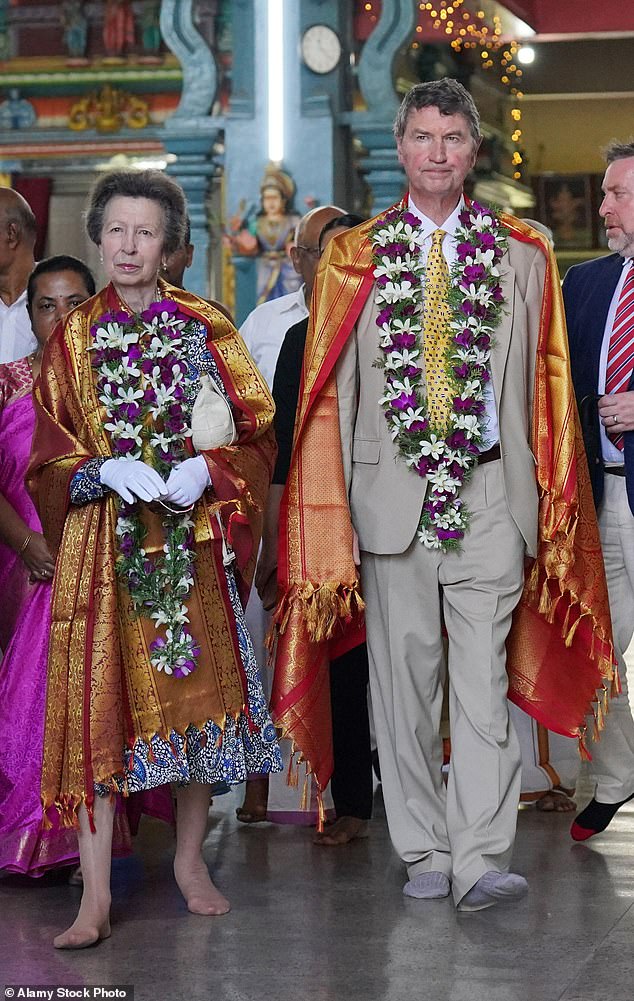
x: 213, y: 425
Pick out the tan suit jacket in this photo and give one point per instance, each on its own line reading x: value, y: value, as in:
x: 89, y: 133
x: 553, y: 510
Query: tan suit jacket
x: 386, y: 497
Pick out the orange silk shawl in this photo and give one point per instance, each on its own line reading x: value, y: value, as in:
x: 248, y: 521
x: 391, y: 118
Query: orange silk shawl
x: 102, y: 692
x: 560, y: 648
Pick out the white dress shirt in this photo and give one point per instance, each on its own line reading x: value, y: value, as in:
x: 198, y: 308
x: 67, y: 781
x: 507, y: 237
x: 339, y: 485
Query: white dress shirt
x: 611, y: 454
x: 490, y: 429
x: 265, y: 327
x: 16, y: 337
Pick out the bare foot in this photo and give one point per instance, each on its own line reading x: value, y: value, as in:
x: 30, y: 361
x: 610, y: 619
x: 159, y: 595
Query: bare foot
x: 256, y: 795
x: 91, y: 925
x: 556, y: 801
x: 201, y: 896
x: 344, y: 830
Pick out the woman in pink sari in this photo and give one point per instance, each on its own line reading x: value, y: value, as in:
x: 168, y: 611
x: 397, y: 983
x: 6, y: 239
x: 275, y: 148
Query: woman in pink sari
x: 26, y: 569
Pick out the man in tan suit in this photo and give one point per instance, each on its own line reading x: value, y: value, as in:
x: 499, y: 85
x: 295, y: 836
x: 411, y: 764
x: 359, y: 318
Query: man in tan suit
x: 465, y: 837
x: 422, y: 364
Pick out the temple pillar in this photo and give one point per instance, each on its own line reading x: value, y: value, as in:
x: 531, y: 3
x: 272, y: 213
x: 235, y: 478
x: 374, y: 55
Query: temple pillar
x: 373, y: 127
x: 190, y: 133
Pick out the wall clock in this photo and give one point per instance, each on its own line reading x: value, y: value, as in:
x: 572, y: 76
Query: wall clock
x: 321, y: 48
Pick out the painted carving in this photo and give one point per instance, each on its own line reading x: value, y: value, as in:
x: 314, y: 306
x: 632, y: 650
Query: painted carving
x: 395, y: 26
x: 75, y: 24
x: 16, y: 112
x: 200, y: 76
x: 268, y: 234
x: 150, y: 29
x: 108, y: 111
x: 118, y: 28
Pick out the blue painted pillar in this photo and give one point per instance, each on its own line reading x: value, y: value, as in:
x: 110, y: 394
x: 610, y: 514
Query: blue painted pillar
x: 308, y: 120
x: 373, y: 127
x: 191, y: 133
x: 246, y: 132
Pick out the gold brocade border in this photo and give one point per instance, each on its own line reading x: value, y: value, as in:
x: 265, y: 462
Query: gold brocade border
x: 99, y: 701
x: 313, y: 596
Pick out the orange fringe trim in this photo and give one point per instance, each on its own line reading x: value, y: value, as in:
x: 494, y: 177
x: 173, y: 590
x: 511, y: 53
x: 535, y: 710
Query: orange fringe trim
x: 322, y: 608
x: 558, y: 519
x: 547, y: 604
x: 296, y: 760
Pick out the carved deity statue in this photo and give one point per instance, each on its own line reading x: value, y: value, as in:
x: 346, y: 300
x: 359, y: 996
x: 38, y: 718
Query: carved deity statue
x: 75, y: 25
x: 268, y: 236
x: 16, y: 112
x: 149, y: 23
x: 118, y: 27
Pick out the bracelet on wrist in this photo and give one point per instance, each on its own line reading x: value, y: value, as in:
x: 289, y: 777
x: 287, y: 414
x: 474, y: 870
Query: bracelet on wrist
x: 24, y: 545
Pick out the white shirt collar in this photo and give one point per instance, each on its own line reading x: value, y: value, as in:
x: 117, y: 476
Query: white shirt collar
x: 295, y: 299
x: 428, y: 226
x: 20, y: 301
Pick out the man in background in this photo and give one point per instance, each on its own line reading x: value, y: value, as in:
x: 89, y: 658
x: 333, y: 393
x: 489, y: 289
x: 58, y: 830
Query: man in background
x: 263, y: 331
x: 175, y: 265
x: 17, y: 240
x: 599, y: 302
x: 265, y: 327
x: 351, y: 782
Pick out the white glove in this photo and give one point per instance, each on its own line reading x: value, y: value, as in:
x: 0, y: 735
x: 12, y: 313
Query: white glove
x: 187, y: 482
x: 131, y: 478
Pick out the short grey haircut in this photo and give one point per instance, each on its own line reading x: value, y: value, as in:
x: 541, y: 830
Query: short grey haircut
x: 618, y: 151
x: 152, y: 184
x: 449, y: 96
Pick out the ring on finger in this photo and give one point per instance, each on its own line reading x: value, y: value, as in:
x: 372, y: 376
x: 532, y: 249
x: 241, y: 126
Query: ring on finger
x: 616, y: 420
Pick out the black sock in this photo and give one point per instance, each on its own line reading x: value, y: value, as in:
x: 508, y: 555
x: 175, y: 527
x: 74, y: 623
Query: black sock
x: 597, y: 816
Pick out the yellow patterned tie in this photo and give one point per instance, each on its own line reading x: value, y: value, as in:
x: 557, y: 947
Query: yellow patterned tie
x: 436, y: 334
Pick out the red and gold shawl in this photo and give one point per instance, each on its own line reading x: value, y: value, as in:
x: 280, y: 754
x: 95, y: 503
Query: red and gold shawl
x: 560, y: 648
x: 102, y: 693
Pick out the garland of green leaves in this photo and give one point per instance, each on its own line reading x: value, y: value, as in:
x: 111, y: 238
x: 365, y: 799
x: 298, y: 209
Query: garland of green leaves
x: 445, y: 456
x: 142, y: 384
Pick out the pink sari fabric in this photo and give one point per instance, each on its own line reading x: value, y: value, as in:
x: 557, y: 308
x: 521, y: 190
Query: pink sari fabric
x: 25, y: 847
x: 17, y: 419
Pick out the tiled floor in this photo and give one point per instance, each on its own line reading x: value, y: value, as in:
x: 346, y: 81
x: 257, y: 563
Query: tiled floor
x: 323, y: 924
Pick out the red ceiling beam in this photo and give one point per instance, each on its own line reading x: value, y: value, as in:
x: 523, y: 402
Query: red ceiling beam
x: 573, y: 17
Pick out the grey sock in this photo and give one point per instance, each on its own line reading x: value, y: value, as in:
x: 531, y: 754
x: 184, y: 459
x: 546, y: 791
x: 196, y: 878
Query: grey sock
x: 494, y: 888
x: 428, y: 886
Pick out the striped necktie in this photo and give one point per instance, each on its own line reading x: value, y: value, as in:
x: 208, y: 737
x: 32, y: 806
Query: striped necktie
x: 620, y: 363
x: 436, y: 333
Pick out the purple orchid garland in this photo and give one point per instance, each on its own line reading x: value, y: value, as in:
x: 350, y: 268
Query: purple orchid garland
x: 141, y: 381
x: 445, y: 456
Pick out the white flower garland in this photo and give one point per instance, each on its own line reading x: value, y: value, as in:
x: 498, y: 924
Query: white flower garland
x: 445, y: 456
x: 142, y: 383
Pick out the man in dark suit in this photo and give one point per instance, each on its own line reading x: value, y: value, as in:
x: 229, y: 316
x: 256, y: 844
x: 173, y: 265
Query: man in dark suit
x: 599, y: 301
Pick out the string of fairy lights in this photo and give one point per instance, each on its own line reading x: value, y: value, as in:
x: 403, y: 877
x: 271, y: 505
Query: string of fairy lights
x: 467, y: 29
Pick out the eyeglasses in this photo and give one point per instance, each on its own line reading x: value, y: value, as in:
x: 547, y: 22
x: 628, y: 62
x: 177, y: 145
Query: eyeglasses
x: 313, y: 251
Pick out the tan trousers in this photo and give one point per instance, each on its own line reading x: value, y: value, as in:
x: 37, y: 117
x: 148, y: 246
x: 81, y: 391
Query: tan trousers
x: 468, y: 829
x: 612, y: 765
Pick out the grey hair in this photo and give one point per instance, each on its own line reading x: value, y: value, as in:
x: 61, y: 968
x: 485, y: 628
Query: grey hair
x: 151, y: 184
x: 618, y: 151
x: 449, y: 96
